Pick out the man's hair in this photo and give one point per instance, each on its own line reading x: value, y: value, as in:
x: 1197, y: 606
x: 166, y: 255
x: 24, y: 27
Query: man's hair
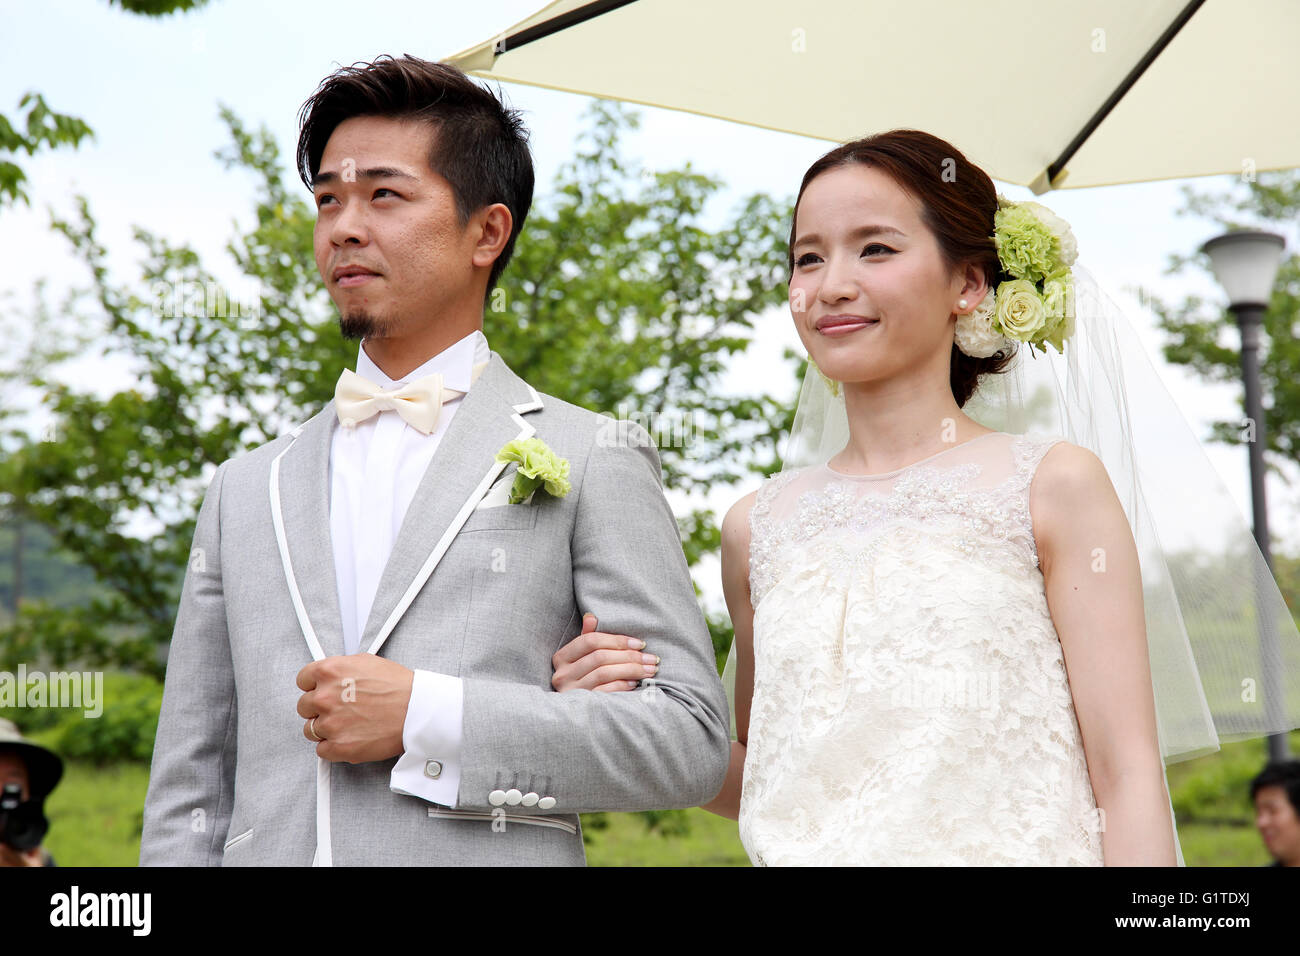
x: 1286, y: 775
x: 479, y: 145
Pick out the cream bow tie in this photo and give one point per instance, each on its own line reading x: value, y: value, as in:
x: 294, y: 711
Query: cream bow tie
x: 419, y: 402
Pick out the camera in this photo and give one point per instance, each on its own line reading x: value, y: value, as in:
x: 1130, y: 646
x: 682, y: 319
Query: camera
x: 22, y: 822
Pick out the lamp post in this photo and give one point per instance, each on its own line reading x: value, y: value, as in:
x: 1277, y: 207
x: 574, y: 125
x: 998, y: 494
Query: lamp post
x: 1246, y: 264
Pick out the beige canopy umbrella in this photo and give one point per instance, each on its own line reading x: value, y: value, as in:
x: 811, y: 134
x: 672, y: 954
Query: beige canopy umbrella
x: 1041, y: 93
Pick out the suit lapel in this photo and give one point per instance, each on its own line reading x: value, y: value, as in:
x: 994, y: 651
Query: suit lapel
x: 460, y: 473
x: 304, y: 498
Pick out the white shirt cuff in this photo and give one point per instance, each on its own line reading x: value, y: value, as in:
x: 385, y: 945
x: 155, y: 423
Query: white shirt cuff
x: 431, y: 737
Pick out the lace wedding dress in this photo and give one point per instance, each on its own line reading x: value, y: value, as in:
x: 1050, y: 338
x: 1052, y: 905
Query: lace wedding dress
x: 910, y: 703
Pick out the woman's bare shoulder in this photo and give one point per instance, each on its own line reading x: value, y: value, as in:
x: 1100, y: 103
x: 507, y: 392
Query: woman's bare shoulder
x: 1068, y: 486
x: 1068, y: 469
x: 735, y: 525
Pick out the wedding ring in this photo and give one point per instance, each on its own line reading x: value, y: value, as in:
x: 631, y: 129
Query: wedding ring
x: 311, y: 729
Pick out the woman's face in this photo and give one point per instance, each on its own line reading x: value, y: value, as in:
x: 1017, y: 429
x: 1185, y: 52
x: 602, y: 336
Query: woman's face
x: 869, y: 294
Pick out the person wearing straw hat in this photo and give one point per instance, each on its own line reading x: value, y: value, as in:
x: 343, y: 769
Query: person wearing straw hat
x: 28, y: 773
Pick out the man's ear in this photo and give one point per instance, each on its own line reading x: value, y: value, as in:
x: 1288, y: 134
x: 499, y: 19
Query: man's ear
x: 492, y: 226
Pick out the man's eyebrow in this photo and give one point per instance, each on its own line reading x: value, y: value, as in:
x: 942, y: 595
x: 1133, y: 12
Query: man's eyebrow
x: 861, y: 233
x: 378, y: 172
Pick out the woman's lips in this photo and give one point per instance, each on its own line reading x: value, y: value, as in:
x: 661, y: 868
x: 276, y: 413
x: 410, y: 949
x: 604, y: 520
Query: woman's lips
x: 843, y: 325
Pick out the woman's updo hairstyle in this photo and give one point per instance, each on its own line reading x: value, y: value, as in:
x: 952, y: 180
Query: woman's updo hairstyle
x: 957, y: 200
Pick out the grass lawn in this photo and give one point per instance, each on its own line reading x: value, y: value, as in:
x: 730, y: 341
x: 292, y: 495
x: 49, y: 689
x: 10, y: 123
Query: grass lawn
x: 95, y: 818
x: 95, y: 814
x: 625, y: 841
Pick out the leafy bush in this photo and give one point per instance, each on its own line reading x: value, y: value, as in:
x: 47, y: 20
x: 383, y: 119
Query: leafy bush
x: 126, y: 728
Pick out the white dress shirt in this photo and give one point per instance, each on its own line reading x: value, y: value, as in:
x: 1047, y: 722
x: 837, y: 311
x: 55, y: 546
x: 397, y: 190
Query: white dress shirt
x: 375, y: 468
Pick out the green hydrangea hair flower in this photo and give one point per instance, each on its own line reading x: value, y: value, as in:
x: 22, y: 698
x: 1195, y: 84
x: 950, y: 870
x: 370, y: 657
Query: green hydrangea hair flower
x: 1027, y: 247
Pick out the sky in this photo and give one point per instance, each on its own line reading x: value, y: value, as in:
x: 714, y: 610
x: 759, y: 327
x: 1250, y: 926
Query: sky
x: 151, y: 90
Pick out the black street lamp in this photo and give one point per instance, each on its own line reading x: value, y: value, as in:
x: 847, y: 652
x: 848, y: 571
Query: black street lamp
x: 1246, y: 264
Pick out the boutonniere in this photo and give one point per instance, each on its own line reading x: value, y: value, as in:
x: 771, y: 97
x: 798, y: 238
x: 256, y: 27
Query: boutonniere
x: 538, y: 465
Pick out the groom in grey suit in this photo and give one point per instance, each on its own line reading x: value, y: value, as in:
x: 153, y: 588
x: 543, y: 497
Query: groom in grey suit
x: 361, y: 666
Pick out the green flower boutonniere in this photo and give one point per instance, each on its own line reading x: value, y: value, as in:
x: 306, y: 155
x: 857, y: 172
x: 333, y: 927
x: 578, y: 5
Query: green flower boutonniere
x: 538, y: 465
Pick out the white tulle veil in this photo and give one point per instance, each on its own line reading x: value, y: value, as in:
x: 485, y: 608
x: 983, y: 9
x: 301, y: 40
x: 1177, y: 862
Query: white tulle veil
x: 1223, y: 647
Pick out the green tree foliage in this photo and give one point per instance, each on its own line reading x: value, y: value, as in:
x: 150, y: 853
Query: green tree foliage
x: 619, y: 256
x: 157, y: 8
x: 40, y: 127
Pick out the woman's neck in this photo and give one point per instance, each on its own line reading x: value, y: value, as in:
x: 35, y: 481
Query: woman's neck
x: 893, y: 424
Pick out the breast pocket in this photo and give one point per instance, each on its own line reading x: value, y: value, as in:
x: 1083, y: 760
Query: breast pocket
x: 520, y: 517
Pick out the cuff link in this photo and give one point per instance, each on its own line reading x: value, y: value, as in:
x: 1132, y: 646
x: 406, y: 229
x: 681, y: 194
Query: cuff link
x: 433, y: 768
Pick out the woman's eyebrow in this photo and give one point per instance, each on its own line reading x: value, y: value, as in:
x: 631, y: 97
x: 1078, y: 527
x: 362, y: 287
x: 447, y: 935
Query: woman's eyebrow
x: 860, y: 233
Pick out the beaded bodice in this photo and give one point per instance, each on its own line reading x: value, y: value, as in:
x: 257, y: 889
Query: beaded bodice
x: 977, y: 492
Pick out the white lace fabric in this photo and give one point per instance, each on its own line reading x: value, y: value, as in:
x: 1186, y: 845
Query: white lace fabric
x: 910, y: 703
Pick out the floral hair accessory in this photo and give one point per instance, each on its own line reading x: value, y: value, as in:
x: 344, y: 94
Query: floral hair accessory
x: 1036, y: 306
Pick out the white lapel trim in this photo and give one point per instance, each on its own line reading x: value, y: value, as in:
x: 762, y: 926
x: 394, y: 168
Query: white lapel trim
x: 532, y: 406
x: 277, y: 519
x: 525, y: 431
x: 324, y: 854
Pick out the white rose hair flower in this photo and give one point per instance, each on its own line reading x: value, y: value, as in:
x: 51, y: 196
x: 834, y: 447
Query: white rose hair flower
x: 976, y: 335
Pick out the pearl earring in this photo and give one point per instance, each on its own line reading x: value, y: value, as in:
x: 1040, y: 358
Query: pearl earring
x: 961, y: 303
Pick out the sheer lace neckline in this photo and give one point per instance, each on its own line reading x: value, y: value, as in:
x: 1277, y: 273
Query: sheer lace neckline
x: 898, y: 471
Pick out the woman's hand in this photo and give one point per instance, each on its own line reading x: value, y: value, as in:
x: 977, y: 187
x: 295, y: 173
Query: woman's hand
x: 595, y: 660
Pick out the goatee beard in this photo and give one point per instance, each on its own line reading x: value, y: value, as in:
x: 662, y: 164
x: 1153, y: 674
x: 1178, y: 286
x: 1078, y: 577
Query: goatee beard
x: 358, y: 324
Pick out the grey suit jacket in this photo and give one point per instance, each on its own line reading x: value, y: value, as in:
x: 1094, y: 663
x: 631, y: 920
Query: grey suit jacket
x: 488, y: 595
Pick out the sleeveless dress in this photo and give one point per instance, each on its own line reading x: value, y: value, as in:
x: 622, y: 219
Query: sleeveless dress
x: 910, y: 704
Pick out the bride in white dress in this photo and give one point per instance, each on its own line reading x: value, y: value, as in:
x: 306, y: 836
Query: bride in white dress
x: 931, y: 669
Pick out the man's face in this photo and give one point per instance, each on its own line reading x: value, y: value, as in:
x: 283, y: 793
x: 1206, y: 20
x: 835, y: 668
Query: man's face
x: 13, y: 769
x: 387, y: 240
x: 1278, y: 824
